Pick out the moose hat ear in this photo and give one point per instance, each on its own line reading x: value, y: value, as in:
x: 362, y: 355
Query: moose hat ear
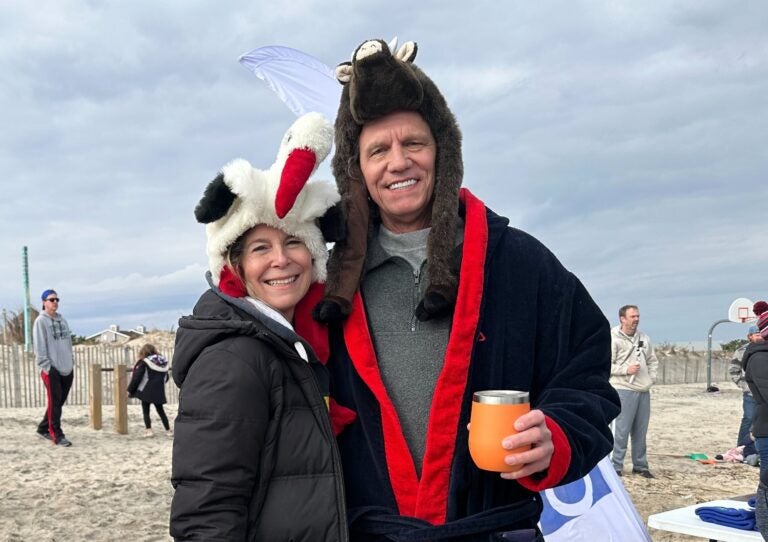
x: 344, y: 72
x: 216, y: 201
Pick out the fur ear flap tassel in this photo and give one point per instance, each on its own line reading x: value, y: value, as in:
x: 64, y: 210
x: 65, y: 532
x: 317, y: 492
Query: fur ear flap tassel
x: 215, y: 202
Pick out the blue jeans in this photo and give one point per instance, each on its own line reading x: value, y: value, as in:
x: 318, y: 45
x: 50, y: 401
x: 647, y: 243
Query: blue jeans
x: 761, y: 443
x: 748, y: 410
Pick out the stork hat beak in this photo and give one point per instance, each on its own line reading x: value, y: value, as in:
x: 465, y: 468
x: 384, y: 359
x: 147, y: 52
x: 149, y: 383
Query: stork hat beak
x: 298, y: 167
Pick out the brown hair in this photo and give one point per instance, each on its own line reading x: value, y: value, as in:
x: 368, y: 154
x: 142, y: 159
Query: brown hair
x: 147, y: 350
x: 623, y: 310
x: 235, y: 255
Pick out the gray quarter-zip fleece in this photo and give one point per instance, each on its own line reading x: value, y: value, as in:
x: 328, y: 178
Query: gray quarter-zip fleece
x: 410, y: 352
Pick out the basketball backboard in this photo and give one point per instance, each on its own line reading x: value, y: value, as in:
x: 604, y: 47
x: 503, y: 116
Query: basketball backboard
x: 740, y: 311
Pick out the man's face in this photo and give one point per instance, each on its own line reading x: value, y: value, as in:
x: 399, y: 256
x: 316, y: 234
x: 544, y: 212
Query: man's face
x: 630, y: 321
x: 755, y: 338
x: 51, y: 304
x: 397, y: 159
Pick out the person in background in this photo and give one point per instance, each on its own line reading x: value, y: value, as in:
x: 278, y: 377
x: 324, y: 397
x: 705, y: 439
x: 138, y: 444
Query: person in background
x: 150, y: 373
x: 52, y: 340
x: 254, y: 455
x: 755, y: 368
x: 633, y: 371
x: 420, y: 336
x: 737, y: 376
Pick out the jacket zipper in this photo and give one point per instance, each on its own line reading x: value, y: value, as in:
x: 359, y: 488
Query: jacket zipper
x: 416, y: 291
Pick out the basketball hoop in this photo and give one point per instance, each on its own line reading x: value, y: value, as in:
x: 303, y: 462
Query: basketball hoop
x: 740, y: 311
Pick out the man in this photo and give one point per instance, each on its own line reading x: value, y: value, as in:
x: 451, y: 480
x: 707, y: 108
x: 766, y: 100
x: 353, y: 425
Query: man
x: 53, y: 350
x: 737, y: 376
x: 452, y: 301
x: 633, y: 372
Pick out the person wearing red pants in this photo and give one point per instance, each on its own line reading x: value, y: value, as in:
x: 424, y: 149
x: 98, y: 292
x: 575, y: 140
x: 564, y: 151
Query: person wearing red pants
x: 53, y: 350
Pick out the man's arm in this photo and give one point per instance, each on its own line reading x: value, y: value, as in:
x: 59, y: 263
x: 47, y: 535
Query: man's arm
x: 40, y: 345
x: 572, y: 388
x: 734, y: 369
x: 620, y: 362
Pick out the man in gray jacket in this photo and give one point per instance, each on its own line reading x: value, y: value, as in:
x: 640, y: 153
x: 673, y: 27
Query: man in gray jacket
x: 633, y: 372
x: 53, y: 351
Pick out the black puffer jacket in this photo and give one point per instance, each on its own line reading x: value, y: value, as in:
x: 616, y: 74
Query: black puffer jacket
x: 755, y: 365
x: 254, y: 456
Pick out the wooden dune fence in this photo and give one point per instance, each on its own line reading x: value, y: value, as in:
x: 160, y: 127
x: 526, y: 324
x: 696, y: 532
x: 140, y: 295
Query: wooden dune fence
x: 21, y: 385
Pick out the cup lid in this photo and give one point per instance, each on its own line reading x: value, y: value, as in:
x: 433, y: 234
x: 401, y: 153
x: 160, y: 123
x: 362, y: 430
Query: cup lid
x: 501, y: 397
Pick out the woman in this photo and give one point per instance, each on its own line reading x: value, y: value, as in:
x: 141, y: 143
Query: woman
x: 254, y: 456
x: 150, y: 373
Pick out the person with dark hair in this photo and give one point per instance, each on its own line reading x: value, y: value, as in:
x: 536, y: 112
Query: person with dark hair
x: 759, y: 308
x: 150, y: 373
x: 52, y: 341
x: 431, y: 297
x: 755, y: 366
x: 633, y: 371
x: 736, y: 373
x: 254, y: 455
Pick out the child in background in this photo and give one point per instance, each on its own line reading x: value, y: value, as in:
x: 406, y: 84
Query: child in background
x: 148, y: 384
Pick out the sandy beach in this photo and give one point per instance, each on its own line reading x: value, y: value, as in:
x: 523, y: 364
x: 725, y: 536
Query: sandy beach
x: 117, y: 487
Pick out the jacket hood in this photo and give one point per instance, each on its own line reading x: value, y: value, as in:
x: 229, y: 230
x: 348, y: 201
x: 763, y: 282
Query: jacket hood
x: 216, y: 317
x: 156, y: 362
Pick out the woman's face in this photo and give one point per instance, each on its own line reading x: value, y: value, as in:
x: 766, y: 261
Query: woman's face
x: 276, y: 268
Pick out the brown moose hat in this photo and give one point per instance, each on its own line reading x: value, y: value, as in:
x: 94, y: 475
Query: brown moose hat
x: 379, y: 81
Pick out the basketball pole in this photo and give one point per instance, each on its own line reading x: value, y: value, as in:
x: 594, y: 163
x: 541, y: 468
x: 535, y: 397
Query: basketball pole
x: 709, y: 352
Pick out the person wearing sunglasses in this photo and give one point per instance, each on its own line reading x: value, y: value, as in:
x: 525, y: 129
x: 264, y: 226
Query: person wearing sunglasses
x: 52, y: 342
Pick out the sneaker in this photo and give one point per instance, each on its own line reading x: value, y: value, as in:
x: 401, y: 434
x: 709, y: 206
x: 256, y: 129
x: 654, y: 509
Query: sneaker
x: 64, y: 441
x: 148, y: 433
x: 169, y: 432
x: 44, y: 436
x: 645, y: 473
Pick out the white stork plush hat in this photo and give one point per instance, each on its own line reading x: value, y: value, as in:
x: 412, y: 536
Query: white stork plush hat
x: 241, y: 197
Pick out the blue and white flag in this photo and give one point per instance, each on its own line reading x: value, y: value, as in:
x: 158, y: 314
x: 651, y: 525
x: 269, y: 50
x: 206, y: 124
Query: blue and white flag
x: 301, y: 81
x: 597, y: 507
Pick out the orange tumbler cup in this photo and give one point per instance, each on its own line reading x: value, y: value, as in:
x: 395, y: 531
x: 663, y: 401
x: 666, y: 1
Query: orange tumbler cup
x: 492, y: 419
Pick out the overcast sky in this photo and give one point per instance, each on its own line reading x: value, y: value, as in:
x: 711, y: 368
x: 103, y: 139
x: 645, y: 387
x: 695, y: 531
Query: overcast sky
x: 629, y: 137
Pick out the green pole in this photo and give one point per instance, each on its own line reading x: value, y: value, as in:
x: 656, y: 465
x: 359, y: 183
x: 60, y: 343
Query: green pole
x: 25, y: 271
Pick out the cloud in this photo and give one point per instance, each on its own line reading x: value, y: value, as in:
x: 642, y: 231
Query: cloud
x: 627, y: 137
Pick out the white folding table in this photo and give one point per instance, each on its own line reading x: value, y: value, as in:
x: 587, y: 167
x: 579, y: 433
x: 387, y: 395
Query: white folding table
x: 685, y: 521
